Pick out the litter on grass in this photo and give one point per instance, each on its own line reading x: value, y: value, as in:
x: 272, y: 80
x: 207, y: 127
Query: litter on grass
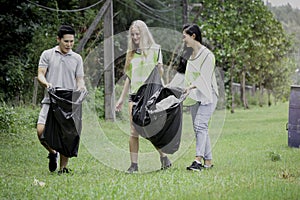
x: 38, y: 183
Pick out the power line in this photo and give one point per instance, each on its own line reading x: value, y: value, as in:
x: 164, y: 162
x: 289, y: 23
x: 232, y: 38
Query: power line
x: 57, y: 10
x: 152, y: 9
x: 152, y: 17
x: 138, y: 3
x: 154, y: 12
x: 155, y: 17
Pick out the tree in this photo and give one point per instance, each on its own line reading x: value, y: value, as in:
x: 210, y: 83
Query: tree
x: 26, y: 30
x: 241, y: 32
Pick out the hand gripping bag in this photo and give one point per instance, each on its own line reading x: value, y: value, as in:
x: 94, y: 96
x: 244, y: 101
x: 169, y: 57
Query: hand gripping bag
x: 64, y: 121
x: 157, y: 113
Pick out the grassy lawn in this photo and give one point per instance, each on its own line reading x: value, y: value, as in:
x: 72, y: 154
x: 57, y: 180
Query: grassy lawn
x: 244, y: 168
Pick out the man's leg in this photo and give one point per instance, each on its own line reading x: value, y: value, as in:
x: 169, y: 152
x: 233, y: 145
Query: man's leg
x: 40, y: 129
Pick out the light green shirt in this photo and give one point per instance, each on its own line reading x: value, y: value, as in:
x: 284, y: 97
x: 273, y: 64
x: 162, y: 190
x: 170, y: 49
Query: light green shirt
x: 141, y: 67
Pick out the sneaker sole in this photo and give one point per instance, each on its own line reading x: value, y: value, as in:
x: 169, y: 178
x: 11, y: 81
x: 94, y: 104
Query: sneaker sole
x: 193, y: 169
x: 134, y: 172
x: 166, y: 167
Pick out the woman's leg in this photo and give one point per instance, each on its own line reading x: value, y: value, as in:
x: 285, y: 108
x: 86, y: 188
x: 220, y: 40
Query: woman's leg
x: 63, y: 161
x: 201, y: 115
x: 133, y: 139
x: 207, y: 154
x: 165, y: 161
x: 134, y: 148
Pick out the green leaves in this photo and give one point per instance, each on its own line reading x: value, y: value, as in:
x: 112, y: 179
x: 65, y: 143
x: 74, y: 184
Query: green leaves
x: 245, y: 33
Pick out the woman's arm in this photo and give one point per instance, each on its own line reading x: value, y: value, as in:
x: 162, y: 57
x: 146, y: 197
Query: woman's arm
x: 160, y: 69
x: 123, y: 95
x: 160, y: 63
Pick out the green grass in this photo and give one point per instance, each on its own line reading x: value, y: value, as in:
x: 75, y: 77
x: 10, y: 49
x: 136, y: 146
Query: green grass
x: 242, y: 156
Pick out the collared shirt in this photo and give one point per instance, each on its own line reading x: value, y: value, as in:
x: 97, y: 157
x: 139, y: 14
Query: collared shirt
x: 62, y: 69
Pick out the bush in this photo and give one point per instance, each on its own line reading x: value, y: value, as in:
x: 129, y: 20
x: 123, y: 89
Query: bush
x: 99, y: 102
x: 16, y: 120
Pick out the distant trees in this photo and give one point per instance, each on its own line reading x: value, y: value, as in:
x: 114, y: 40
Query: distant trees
x: 250, y: 44
x: 290, y: 19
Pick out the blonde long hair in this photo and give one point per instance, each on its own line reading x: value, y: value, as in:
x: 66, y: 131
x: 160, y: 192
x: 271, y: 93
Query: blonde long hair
x: 146, y: 41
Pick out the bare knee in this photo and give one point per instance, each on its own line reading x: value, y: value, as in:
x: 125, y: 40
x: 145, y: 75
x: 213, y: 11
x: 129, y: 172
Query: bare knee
x: 134, y: 135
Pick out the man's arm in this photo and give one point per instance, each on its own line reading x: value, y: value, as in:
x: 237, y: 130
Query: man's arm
x: 80, y: 83
x: 42, y: 78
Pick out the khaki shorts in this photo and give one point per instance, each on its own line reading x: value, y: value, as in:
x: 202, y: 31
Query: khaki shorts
x: 43, y: 114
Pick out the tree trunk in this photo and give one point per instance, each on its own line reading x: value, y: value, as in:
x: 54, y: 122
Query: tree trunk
x: 269, y: 98
x: 232, y: 88
x: 253, y: 90
x: 261, y: 94
x: 243, y: 90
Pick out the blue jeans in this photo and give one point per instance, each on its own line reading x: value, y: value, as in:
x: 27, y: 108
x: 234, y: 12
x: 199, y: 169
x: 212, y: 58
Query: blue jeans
x: 201, y: 115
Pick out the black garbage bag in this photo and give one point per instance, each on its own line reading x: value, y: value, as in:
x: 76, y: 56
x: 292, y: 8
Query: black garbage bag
x: 157, y: 113
x: 64, y: 121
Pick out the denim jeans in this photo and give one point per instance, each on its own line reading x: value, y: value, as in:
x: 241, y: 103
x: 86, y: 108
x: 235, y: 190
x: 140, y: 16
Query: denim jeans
x: 201, y: 115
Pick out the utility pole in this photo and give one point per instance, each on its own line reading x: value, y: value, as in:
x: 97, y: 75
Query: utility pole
x: 109, y: 76
x: 91, y: 29
x: 184, y: 11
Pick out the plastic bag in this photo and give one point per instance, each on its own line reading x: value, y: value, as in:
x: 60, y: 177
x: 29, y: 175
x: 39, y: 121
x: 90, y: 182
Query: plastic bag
x: 157, y: 113
x: 64, y: 121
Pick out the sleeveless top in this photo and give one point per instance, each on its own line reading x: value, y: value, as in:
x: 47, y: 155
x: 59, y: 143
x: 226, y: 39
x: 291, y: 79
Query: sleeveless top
x: 141, y: 66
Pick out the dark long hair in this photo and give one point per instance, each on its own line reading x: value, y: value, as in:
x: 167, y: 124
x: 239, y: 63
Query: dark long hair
x: 194, y: 29
x: 187, y: 51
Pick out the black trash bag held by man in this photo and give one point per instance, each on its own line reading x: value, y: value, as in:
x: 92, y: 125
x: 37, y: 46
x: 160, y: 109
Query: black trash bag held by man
x: 64, y: 121
x: 157, y: 113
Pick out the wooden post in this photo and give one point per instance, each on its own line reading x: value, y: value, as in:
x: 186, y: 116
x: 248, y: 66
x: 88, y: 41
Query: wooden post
x: 184, y: 11
x: 35, y: 90
x: 93, y: 26
x: 109, y: 76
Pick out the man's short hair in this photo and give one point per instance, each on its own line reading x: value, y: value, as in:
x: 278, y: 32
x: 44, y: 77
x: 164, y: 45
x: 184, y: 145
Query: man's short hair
x: 65, y: 29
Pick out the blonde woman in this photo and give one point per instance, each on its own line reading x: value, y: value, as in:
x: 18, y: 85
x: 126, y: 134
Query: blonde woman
x: 142, y: 56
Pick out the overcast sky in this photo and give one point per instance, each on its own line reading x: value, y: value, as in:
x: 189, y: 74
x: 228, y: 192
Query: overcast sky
x: 293, y: 3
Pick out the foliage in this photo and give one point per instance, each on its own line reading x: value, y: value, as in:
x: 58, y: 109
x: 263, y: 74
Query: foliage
x: 34, y: 29
x: 290, y: 19
x: 241, y: 32
x: 99, y: 102
x: 17, y: 120
x: 244, y: 35
x: 18, y: 24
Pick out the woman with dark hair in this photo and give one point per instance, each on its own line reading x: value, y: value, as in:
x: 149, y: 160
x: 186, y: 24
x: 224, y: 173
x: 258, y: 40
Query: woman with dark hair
x: 184, y: 54
x: 201, y: 87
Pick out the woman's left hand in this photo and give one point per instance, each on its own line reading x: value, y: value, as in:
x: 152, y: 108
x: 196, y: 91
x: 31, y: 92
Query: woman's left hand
x: 188, y: 89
